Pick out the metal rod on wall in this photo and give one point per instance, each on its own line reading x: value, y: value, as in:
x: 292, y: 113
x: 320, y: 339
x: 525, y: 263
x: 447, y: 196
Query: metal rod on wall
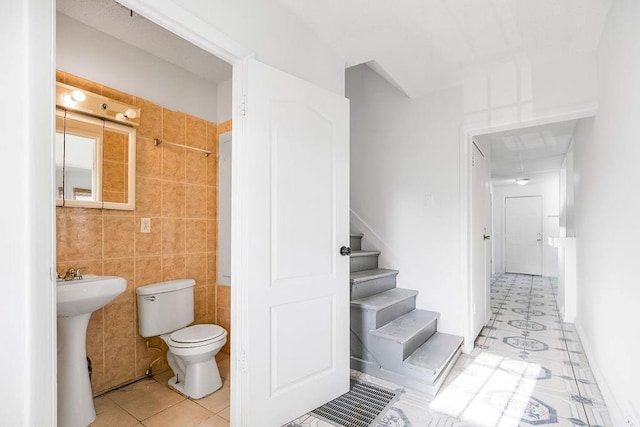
x: 157, y: 142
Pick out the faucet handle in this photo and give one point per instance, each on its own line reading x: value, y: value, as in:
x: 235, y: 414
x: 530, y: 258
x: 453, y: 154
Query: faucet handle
x: 73, y: 273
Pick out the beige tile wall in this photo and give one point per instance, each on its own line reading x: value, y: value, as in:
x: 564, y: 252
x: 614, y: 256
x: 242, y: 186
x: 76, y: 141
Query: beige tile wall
x: 177, y: 189
x: 115, y: 163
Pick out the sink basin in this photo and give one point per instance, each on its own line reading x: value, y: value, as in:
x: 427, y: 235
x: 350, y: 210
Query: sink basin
x: 76, y: 300
x: 87, y: 295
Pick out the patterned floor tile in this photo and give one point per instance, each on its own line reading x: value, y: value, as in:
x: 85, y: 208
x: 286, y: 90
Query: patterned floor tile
x: 555, y: 409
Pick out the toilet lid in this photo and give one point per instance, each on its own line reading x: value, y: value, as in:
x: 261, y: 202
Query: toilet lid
x: 197, y: 333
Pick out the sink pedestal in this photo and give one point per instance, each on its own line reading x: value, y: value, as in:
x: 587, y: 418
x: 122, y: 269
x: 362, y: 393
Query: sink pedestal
x: 76, y: 300
x: 75, y: 399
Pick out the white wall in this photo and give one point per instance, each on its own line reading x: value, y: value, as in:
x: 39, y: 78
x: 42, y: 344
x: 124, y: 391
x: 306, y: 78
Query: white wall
x: 94, y: 55
x: 272, y: 32
x: 519, y: 91
x: 27, y: 307
x: 224, y: 101
x: 405, y: 188
x: 567, y: 197
x: 607, y: 209
x: 546, y: 185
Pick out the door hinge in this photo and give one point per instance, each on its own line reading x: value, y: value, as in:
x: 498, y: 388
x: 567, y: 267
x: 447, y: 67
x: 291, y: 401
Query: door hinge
x: 243, y: 105
x: 242, y: 362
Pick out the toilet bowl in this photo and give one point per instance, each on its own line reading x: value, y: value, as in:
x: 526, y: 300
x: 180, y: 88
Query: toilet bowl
x: 165, y: 310
x: 191, y: 357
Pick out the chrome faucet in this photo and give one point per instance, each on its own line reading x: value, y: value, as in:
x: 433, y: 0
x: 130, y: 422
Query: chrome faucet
x: 71, y: 274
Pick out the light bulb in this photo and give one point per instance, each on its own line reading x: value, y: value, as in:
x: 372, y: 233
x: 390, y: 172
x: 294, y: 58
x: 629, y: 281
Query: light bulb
x: 78, y: 95
x: 68, y: 101
x: 522, y: 181
x: 121, y: 117
x: 130, y: 113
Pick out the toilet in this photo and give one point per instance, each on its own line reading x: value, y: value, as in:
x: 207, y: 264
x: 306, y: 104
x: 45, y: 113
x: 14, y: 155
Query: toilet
x: 166, y: 309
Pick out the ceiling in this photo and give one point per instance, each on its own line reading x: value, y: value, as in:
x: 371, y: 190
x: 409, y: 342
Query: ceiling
x: 117, y: 21
x: 419, y: 46
x: 526, y: 152
x: 425, y: 45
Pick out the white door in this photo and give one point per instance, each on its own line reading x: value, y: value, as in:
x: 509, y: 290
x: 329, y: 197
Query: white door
x: 523, y: 235
x: 291, y: 216
x: 480, y: 244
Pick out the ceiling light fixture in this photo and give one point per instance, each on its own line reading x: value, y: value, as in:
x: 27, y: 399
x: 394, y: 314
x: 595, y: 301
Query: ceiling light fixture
x: 522, y: 181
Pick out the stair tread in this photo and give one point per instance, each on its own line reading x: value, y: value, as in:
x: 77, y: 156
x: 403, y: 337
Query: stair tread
x: 384, y: 299
x: 406, y: 326
x: 364, y: 253
x: 376, y: 273
x: 434, y: 354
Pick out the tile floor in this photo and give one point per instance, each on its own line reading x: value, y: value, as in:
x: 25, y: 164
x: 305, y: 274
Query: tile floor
x: 150, y: 402
x: 528, y: 369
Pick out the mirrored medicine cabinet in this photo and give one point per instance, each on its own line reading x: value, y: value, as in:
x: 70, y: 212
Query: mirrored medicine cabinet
x: 95, y: 146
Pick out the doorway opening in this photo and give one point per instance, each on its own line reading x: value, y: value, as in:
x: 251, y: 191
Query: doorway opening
x: 184, y: 97
x: 531, y: 198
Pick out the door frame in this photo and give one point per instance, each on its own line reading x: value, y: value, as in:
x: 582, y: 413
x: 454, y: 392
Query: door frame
x: 467, y: 133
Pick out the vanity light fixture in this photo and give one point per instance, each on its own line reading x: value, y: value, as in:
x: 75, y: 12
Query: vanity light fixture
x: 522, y: 181
x: 85, y: 102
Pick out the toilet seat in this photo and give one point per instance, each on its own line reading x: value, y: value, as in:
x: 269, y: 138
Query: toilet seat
x: 196, y: 336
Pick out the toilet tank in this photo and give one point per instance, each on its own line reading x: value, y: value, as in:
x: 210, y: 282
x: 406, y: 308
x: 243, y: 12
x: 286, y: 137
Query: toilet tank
x: 165, y: 307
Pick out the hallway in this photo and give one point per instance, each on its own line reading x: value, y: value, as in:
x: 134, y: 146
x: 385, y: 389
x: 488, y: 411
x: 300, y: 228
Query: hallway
x: 528, y: 369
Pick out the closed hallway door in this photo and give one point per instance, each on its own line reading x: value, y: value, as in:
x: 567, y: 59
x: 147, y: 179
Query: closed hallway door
x: 523, y: 235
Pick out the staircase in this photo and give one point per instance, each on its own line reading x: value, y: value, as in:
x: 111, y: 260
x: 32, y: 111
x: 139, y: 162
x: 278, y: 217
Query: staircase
x: 390, y: 338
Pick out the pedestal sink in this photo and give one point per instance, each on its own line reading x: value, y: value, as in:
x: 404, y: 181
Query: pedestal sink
x: 76, y: 300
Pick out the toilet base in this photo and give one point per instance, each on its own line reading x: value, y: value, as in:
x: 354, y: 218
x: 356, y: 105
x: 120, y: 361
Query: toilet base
x: 200, y: 380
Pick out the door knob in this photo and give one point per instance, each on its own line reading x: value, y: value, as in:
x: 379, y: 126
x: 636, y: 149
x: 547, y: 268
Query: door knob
x: 345, y: 251
x: 486, y: 237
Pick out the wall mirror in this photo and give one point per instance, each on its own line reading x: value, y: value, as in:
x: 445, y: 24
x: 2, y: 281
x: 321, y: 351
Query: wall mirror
x: 94, y: 155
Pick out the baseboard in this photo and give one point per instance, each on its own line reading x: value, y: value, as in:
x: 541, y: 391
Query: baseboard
x: 616, y: 412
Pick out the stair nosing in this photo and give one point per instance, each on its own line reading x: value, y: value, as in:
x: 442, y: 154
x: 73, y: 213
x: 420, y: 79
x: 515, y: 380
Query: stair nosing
x: 356, y: 254
x: 434, y: 316
x: 408, y: 293
x: 382, y: 272
x: 356, y: 234
x: 408, y: 364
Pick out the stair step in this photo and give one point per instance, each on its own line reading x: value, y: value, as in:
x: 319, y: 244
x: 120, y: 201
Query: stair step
x: 364, y: 260
x: 379, y: 309
x: 403, y: 336
x: 376, y: 273
x: 432, y: 357
x: 370, y: 282
x: 355, y: 241
x: 384, y: 299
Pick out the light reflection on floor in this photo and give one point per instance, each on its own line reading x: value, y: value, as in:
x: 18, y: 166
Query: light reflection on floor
x: 490, y: 378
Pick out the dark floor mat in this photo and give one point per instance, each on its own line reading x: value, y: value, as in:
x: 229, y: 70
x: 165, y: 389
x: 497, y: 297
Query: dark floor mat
x: 360, y: 407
